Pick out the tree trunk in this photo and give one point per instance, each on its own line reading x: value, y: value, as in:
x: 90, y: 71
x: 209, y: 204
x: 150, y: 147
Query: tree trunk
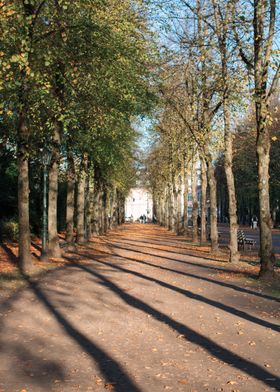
x: 96, y: 210
x: 179, y: 206
x: 53, y: 249
x: 70, y: 200
x: 121, y: 209
x: 89, y: 205
x: 25, y: 260
x: 170, y: 207
x: 113, y: 209
x: 106, y: 209
x: 175, y: 212
x: 81, y: 202
x: 232, y: 208
x: 263, y: 150
x: 222, y: 30
x: 165, y: 209
x: 101, y: 211
x: 203, y: 201
x: 194, y: 203
x: 186, y: 199
x: 262, y: 47
x: 213, y: 205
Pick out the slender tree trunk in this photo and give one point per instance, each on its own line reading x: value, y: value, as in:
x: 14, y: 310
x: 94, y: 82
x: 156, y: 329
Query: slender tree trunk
x: 179, y: 206
x: 263, y: 47
x: 194, y: 203
x: 53, y: 249
x: 232, y: 208
x: 81, y: 202
x: 186, y: 199
x: 165, y: 208
x: 112, y: 208
x: 175, y: 206
x: 203, y: 200
x: 118, y: 208
x: 96, y: 210
x: 162, y: 209
x: 121, y: 209
x: 222, y: 28
x: 89, y: 205
x: 170, y: 207
x: 106, y: 209
x: 25, y: 260
x: 263, y: 150
x: 213, y: 205
x: 70, y: 200
x: 101, y: 211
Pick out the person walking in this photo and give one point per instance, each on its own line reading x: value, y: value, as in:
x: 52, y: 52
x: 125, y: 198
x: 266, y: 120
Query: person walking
x: 254, y: 222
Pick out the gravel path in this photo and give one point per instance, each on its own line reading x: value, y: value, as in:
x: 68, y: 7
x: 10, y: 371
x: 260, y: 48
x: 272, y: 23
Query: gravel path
x: 135, y: 311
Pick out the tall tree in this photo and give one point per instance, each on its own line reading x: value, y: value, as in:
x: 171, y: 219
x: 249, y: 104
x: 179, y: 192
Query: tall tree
x: 262, y: 33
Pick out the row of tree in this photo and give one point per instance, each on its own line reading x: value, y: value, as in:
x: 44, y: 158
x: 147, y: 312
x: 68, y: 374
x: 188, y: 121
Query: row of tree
x: 224, y: 61
x: 73, y: 77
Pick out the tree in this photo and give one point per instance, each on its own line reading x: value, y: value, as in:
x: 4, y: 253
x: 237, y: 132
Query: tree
x: 262, y: 33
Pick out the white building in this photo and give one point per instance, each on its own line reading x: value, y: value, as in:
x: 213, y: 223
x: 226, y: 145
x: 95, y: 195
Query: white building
x: 139, y: 202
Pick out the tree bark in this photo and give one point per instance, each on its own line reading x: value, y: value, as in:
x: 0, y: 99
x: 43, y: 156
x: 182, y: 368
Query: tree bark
x: 113, y: 209
x: 106, y: 209
x: 170, y: 207
x: 70, y: 200
x: 175, y: 206
x: 53, y: 248
x: 186, y: 199
x: 101, y: 210
x: 89, y: 206
x: 232, y: 208
x: 96, y: 209
x: 25, y: 260
x: 263, y: 150
x: 194, y: 203
x: 203, y: 201
x: 213, y: 205
x: 81, y: 202
x: 179, y: 206
x: 262, y: 52
x: 222, y: 30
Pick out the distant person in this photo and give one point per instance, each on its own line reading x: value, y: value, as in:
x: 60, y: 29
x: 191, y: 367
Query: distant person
x: 254, y: 222
x: 144, y: 218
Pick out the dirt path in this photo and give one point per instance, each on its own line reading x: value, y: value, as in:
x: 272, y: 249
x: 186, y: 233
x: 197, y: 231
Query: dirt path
x: 135, y: 311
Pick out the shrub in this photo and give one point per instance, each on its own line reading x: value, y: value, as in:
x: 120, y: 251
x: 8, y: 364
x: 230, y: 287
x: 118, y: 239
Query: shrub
x: 9, y: 230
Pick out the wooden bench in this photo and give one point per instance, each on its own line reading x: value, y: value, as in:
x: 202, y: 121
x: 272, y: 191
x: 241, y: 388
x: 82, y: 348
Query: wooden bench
x: 243, y: 240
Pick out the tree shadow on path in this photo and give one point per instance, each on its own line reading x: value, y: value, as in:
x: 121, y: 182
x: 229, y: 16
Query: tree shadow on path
x: 207, y: 267
x: 197, y: 297
x: 227, y: 285
x: 112, y: 371
x: 190, y: 335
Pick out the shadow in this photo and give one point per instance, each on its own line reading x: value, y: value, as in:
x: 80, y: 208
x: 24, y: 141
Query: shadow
x: 200, y: 277
x: 190, y: 335
x: 43, y: 372
x: 159, y: 243
x: 197, y: 297
x: 13, y: 258
x: 111, y: 370
x: 207, y: 267
x: 36, y: 246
